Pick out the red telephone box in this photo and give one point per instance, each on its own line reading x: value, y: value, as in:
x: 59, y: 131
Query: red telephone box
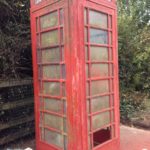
x: 75, y: 65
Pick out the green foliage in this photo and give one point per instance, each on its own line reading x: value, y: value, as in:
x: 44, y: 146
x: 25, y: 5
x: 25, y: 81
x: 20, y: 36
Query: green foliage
x: 15, y: 49
x: 131, y: 103
x: 134, y: 44
x: 134, y: 52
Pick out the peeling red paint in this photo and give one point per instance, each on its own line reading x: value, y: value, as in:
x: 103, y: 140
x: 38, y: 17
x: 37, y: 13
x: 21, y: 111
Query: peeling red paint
x: 75, y: 80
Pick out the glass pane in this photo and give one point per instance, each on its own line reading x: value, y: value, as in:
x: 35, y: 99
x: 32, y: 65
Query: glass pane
x: 53, y: 121
x: 99, y: 53
x: 99, y: 70
x: 89, y: 143
x: 110, y: 38
x: 37, y: 41
x: 63, y: 54
x: 61, y: 16
x: 65, y: 125
x: 65, y: 143
x: 41, y: 103
x: 110, y: 26
x: 51, y: 55
x: 38, y: 56
x: 41, y: 118
x: 87, y: 89
x: 86, y: 53
x: 63, y: 89
x: 85, y: 34
x: 87, y: 71
x: 111, y: 54
x: 111, y: 72
x: 99, y: 103
x: 53, y: 105
x: 85, y: 16
x: 49, y: 38
x: 51, y: 88
x: 42, y: 133
x: 53, y: 138
x: 101, y: 120
x: 112, y: 116
x: 61, y: 35
x: 99, y: 87
x: 49, y: 20
x: 37, y: 1
x: 98, y: 19
x: 63, y: 72
x: 89, y: 126
x: 51, y: 71
x: 37, y: 25
x: 40, y: 72
x: 98, y: 36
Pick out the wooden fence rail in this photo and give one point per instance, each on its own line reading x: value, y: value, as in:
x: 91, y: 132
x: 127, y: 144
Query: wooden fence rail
x: 16, y: 110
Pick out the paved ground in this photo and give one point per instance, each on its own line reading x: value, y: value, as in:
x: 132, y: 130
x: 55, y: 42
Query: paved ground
x: 131, y: 139
x: 134, y: 139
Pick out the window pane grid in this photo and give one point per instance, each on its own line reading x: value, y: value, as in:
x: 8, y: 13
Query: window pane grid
x: 51, y: 29
x: 89, y: 73
x: 101, y: 111
x: 52, y: 74
x: 99, y: 95
x: 92, y: 59
x: 105, y: 126
x: 100, y: 28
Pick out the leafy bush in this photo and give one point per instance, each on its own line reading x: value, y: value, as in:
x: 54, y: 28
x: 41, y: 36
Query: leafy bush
x: 131, y: 103
x: 15, y: 43
x: 134, y: 44
x: 134, y: 53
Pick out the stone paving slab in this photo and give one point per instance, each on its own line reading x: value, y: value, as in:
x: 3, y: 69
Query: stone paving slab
x: 134, y: 139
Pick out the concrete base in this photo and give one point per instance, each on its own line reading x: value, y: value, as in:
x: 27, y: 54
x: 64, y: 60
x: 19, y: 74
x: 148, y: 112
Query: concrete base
x: 134, y: 139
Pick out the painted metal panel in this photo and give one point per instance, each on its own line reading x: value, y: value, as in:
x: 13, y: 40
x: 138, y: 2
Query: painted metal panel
x: 75, y: 67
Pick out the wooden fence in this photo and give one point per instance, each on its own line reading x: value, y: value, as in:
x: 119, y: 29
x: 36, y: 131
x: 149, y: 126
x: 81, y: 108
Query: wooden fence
x: 16, y: 110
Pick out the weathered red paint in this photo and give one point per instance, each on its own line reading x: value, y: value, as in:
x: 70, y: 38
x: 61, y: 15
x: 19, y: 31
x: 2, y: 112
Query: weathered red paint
x: 74, y: 51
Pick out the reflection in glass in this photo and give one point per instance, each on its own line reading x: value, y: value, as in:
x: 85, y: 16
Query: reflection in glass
x: 63, y: 89
x: 37, y: 41
x: 110, y: 38
x: 37, y: 25
x: 49, y: 20
x: 54, y: 138
x: 63, y: 72
x: 100, y: 120
x: 98, y: 19
x: 98, y: 36
x: 86, y: 34
x: 51, y: 55
x: 61, y: 16
x: 99, y: 70
x: 86, y: 53
x: 98, y: 103
x: 99, y: 53
x: 99, y: 87
x: 53, y: 105
x: 49, y: 38
x: 53, y: 121
x: 51, y: 71
x: 61, y: 35
x: 51, y: 88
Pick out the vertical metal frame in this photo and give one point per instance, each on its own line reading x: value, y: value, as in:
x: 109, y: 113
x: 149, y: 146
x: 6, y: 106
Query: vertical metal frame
x: 74, y: 49
x: 96, y: 5
x: 35, y: 14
